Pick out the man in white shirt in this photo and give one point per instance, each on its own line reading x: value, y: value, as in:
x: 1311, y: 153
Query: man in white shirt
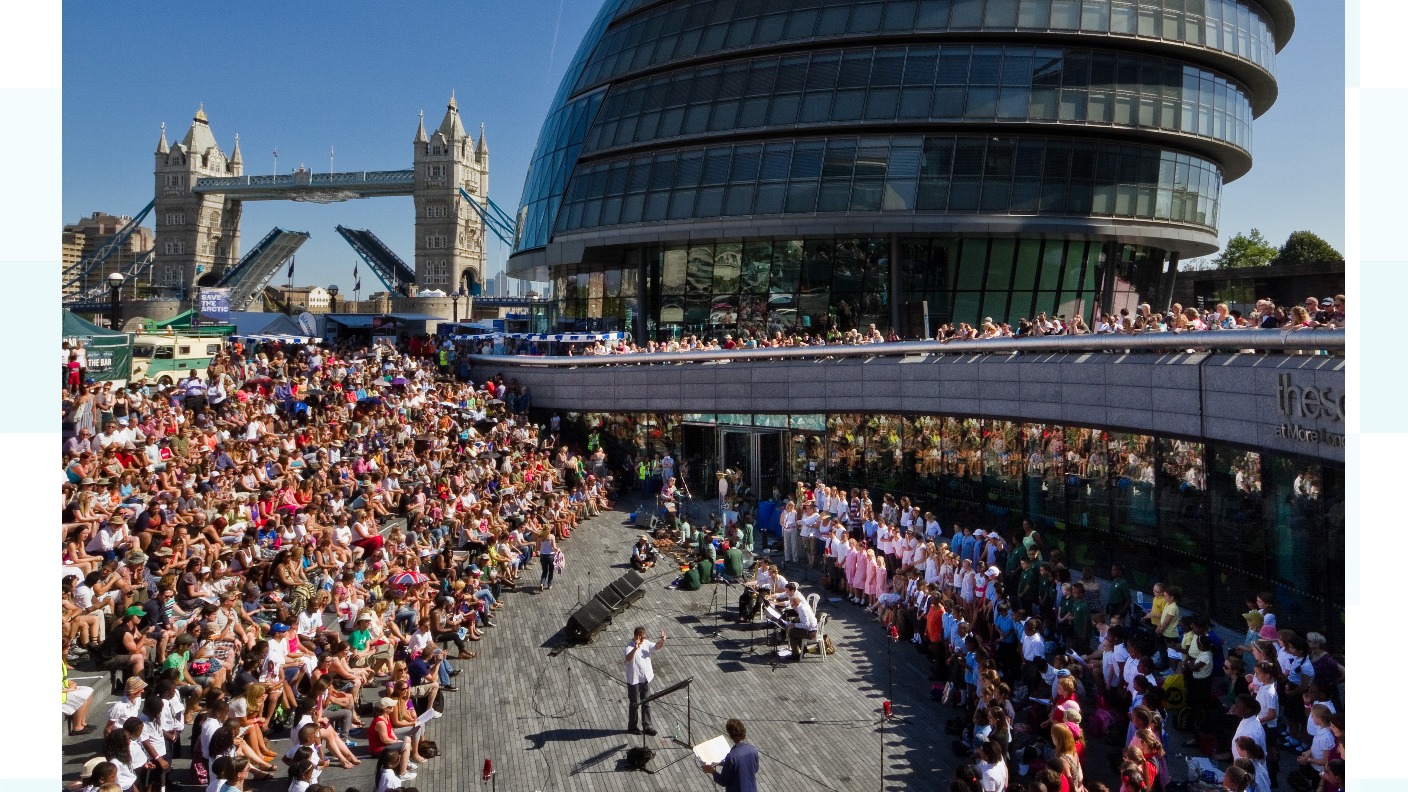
x: 639, y: 674
x: 804, y: 627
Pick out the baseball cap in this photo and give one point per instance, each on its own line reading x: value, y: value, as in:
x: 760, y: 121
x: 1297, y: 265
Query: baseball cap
x: 387, y: 703
x: 135, y: 610
x: 278, y: 627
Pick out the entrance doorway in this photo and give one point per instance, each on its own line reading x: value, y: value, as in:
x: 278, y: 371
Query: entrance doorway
x: 757, y: 455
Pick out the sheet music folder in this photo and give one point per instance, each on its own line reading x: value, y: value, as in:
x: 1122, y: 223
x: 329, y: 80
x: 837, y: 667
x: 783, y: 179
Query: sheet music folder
x: 712, y: 751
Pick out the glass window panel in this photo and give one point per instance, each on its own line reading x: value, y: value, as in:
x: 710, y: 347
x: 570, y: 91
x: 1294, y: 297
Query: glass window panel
x: 865, y: 195
x: 866, y: 18
x: 1012, y: 103
x: 728, y: 266
x: 754, y: 113
x: 1034, y: 14
x: 971, y: 265
x: 1065, y: 14
x: 914, y: 103
x: 656, y: 205
x: 1095, y: 15
x: 949, y: 102
x: 1001, y: 14
x: 1026, y: 196
x: 1000, y: 261
x: 965, y: 307
x: 879, y: 104
x: 801, y: 196
x: 850, y: 105
x: 738, y: 200
x: 967, y: 14
x: 964, y: 194
x: 710, y: 202
x: 724, y: 117
x: 769, y: 198
x: 816, y: 106
x: 1027, y: 263
x: 783, y: 109
x: 997, y: 194
x: 786, y: 266
x: 682, y: 204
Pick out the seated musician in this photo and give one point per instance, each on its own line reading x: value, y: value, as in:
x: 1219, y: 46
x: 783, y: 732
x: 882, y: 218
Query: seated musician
x: 669, y: 492
x: 643, y: 554
x: 803, y: 626
x: 766, y: 580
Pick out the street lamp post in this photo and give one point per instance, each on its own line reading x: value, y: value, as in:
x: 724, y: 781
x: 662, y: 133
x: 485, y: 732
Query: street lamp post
x: 455, y: 302
x: 332, y: 298
x: 115, y: 280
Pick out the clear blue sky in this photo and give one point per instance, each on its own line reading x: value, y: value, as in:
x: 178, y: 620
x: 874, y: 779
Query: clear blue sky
x: 304, y: 77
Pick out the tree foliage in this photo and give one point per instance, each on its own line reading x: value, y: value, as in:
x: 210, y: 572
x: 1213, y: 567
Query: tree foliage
x: 1246, y: 250
x: 1305, y: 247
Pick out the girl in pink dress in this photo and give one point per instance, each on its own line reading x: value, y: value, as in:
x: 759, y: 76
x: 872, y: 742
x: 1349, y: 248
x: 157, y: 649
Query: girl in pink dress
x: 853, y: 561
x: 865, y: 570
x: 878, y: 581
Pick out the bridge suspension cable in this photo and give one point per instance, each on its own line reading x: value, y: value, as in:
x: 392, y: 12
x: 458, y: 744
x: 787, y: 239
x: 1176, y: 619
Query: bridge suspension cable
x: 76, y: 275
x: 495, y: 218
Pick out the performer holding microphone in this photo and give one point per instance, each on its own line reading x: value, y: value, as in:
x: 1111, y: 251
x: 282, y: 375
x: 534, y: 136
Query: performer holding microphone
x: 639, y: 674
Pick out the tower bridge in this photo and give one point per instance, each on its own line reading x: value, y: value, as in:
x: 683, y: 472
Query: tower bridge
x: 200, y: 192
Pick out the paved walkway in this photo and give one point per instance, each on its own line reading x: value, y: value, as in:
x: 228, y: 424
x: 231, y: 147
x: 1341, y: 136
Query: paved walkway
x: 555, y: 720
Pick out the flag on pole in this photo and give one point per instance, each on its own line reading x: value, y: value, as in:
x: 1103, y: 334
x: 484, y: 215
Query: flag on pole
x: 357, y: 286
x: 355, y: 265
x: 291, y: 261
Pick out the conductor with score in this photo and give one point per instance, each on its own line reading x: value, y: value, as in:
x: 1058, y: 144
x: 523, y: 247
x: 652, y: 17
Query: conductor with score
x: 638, y: 677
x: 738, y: 772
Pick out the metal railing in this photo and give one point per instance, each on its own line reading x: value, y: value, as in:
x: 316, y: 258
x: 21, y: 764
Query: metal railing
x: 1159, y: 343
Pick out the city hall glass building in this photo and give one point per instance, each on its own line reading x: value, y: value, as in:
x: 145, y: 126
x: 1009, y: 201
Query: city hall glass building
x: 711, y: 166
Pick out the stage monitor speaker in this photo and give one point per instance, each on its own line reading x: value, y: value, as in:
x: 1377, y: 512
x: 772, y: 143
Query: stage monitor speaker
x: 611, y: 598
x: 587, y: 621
x: 630, y: 587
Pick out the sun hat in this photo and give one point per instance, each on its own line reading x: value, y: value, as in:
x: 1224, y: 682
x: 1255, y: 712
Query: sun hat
x: 387, y: 703
x: 135, y: 558
x: 91, y: 765
x: 135, y: 684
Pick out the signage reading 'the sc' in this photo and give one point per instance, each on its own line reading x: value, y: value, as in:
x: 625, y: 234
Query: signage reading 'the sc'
x: 1296, y: 401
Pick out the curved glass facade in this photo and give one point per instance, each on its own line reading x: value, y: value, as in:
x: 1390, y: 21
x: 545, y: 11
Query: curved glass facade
x: 692, y: 28
x: 779, y: 284
x: 954, y: 174
x: 1008, y: 85
x: 551, y: 166
x: 1018, y: 130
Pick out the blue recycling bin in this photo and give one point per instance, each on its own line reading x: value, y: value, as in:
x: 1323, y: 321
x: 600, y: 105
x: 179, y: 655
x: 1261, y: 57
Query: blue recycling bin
x: 769, y: 517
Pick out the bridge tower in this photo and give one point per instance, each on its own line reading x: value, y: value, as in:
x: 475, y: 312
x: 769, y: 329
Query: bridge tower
x: 449, y: 233
x: 197, y: 235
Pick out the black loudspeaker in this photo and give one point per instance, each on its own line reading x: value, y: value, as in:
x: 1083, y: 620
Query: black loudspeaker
x: 612, y: 598
x: 629, y: 587
x: 588, y: 620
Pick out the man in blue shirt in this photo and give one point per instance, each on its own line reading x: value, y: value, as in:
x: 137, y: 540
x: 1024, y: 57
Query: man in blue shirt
x: 739, y: 770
